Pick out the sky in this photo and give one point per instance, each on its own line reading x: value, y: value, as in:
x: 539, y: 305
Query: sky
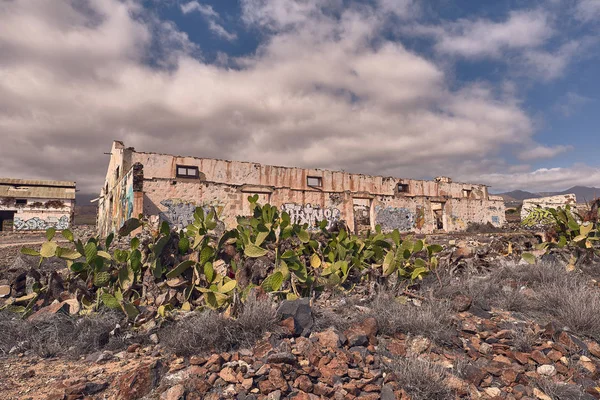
x: 504, y: 93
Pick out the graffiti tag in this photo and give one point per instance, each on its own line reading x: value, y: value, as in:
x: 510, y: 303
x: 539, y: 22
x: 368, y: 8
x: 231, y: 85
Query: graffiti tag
x: 38, y: 224
x: 311, y: 214
x: 180, y: 214
x: 390, y: 218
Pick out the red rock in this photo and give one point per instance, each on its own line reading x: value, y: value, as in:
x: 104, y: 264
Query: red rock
x: 49, y: 310
x: 197, y: 385
x: 133, y: 348
x: 140, y: 381
x: 329, y: 338
x: 197, y: 360
x: 176, y: 392
x: 508, y: 376
x: 228, y: 375
x: 321, y: 389
x: 594, y: 348
x: 461, y: 303
x: 289, y: 326
x: 539, y: 357
x: 565, y: 339
x: 522, y: 358
x: 397, y: 347
x: 554, y: 355
x: 304, y: 383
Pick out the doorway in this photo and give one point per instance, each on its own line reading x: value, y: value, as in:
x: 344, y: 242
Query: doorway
x: 439, y: 216
x: 7, y: 220
x: 362, y: 215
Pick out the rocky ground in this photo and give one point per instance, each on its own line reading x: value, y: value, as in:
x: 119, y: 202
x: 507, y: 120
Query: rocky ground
x: 486, y: 326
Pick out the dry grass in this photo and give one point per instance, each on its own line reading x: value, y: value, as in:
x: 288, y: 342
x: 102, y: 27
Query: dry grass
x: 59, y: 334
x: 524, y: 338
x: 565, y: 297
x: 421, y: 379
x: 433, y: 319
x: 562, y: 391
x: 201, y: 332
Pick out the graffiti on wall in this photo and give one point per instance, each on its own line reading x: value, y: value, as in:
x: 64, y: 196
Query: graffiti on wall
x: 180, y: 213
x: 38, y: 224
x: 390, y: 218
x: 311, y: 214
x: 122, y: 206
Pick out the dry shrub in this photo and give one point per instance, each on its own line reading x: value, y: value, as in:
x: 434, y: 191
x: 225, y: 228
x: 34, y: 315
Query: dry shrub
x: 562, y: 391
x: 524, y: 338
x: 205, y: 331
x: 421, y: 379
x: 59, y: 334
x: 433, y: 319
x: 572, y: 303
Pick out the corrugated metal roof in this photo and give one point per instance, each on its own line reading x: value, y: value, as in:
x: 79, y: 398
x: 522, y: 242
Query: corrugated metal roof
x: 37, y: 189
x: 35, y: 182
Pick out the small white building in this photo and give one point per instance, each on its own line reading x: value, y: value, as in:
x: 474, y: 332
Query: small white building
x: 34, y: 205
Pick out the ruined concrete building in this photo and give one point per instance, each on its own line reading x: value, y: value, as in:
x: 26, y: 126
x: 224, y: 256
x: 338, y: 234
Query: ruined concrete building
x: 32, y: 205
x: 169, y: 188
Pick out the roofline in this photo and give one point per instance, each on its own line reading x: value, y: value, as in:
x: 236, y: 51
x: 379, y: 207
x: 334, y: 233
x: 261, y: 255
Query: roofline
x: 38, y: 183
x: 283, y: 166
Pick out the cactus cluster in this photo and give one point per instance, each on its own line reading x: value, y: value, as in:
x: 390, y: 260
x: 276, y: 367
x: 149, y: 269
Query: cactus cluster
x: 196, y: 268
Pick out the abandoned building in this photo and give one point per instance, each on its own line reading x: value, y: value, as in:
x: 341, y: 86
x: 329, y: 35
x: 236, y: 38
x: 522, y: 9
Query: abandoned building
x: 169, y: 188
x: 33, y: 205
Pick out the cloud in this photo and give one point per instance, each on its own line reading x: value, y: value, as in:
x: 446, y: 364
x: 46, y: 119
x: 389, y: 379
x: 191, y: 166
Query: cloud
x: 319, y: 91
x: 543, y: 152
x: 571, y: 103
x: 211, y: 16
x: 484, y: 38
x: 546, y: 179
x: 203, y: 9
x: 549, y: 65
x: 587, y: 10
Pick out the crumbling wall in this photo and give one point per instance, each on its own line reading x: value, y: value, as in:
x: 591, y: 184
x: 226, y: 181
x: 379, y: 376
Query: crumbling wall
x: 223, y: 186
x: 530, y: 205
x: 40, y: 214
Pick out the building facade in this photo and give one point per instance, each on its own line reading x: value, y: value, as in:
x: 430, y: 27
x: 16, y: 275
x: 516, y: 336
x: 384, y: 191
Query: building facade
x: 170, y: 188
x: 33, y: 205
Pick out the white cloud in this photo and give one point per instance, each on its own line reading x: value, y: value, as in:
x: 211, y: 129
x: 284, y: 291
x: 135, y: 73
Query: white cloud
x: 204, y: 9
x: 542, y: 152
x: 546, y: 179
x: 571, y: 103
x: 211, y: 16
x: 483, y: 38
x: 317, y: 93
x: 549, y: 65
x: 587, y: 10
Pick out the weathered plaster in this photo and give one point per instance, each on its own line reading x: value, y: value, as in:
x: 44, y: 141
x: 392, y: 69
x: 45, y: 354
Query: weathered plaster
x: 226, y: 185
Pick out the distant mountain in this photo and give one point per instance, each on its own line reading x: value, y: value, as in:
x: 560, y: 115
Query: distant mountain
x: 518, y: 196
x: 583, y: 194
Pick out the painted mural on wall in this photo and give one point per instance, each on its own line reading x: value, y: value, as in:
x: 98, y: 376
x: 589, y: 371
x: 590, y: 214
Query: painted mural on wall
x: 180, y: 213
x: 390, y: 218
x: 311, y: 214
x: 123, y: 203
x: 39, y: 224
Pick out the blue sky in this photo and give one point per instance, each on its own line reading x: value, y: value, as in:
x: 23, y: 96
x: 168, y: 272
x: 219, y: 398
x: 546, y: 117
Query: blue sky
x: 498, y: 92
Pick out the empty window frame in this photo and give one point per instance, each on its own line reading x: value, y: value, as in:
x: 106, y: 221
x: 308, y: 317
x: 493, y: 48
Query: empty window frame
x: 21, y: 202
x: 402, y: 188
x: 466, y: 193
x: 315, y: 181
x: 187, y: 171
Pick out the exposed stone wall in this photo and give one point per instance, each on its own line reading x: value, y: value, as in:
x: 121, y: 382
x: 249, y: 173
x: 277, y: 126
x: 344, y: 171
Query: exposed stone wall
x: 223, y: 186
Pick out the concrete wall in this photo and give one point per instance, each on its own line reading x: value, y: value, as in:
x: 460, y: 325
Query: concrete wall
x: 548, y: 202
x: 223, y: 186
x: 37, y: 215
